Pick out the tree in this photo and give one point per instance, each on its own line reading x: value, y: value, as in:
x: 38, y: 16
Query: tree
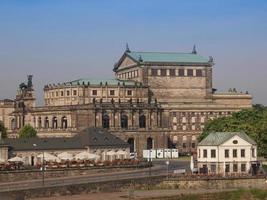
x: 27, y: 131
x: 3, y: 130
x: 252, y: 121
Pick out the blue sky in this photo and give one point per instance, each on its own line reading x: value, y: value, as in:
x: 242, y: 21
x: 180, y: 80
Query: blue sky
x: 62, y: 40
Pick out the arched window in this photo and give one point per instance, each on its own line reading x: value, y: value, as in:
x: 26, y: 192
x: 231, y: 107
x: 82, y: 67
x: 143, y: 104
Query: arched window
x: 105, y: 120
x: 149, y: 143
x: 64, y: 122
x: 131, y: 143
x: 13, y: 124
x: 124, y: 121
x: 39, y: 122
x: 54, y: 122
x: 46, y: 122
x: 142, y: 121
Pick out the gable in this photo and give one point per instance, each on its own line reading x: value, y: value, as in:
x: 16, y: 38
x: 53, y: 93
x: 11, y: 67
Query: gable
x: 240, y: 142
x: 126, y: 62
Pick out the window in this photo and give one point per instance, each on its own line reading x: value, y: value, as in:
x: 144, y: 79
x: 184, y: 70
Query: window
x: 105, y: 121
x: 142, y: 121
x: 234, y: 153
x: 190, y: 72
x: 172, y: 72
x: 62, y: 93
x: 213, y: 153
x: 253, y: 152
x: 57, y: 94
x: 205, y: 153
x: 226, y: 153
x: 74, y: 92
x: 193, y: 145
x: 243, y: 167
x: 184, y: 145
x: 213, y: 168
x: 242, y: 153
x: 112, y: 92
x: 68, y: 93
x: 198, y: 72
x: 163, y: 72
x: 94, y: 92
x: 129, y: 92
x: 235, y: 167
x: 124, y: 121
x: 154, y: 72
x: 181, y: 72
x: 227, y: 168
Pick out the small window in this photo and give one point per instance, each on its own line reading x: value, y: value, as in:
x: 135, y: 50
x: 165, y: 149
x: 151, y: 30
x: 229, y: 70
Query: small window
x: 235, y: 167
x: 68, y: 93
x: 235, y: 142
x: 243, y: 167
x: 74, y: 92
x: 193, y: 145
x: 213, y: 153
x: 190, y: 72
x: 181, y: 72
x: 253, y: 153
x: 243, y: 153
x: 226, y: 153
x: 227, y: 168
x: 172, y: 72
x: 154, y: 72
x: 129, y: 92
x: 62, y: 93
x: 205, y: 153
x: 94, y: 92
x: 184, y: 145
x: 163, y: 72
x: 234, y: 153
x: 112, y: 92
x: 198, y: 72
x: 57, y: 94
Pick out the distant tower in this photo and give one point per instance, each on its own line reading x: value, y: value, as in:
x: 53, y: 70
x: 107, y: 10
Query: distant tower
x: 127, y: 48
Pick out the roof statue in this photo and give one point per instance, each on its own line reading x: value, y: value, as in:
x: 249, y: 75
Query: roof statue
x: 211, y: 59
x: 28, y: 86
x: 140, y: 58
x: 127, y: 48
x: 194, y: 51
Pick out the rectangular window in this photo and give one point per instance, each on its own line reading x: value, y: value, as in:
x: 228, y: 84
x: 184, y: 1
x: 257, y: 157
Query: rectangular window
x: 172, y: 72
x: 57, y: 94
x: 154, y: 72
x: 190, y: 72
x: 193, y: 145
x: 234, y: 153
x: 243, y: 153
x: 213, y: 153
x: 184, y: 145
x: 198, y: 72
x: 213, y: 168
x: 253, y: 153
x: 181, y: 72
x: 235, y: 167
x: 205, y: 153
x: 68, y: 93
x: 112, y: 92
x: 62, y: 93
x: 94, y: 92
x: 129, y: 92
x: 227, y: 168
x: 226, y: 153
x: 243, y: 167
x: 163, y: 72
x: 74, y: 92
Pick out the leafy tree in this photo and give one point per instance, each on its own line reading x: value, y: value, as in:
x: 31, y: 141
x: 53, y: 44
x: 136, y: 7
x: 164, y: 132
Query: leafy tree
x: 252, y: 121
x: 3, y: 130
x: 27, y: 131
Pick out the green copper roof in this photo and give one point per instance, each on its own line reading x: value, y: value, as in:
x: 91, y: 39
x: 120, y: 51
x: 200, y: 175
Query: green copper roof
x: 104, y: 81
x: 167, y: 57
x: 217, y: 138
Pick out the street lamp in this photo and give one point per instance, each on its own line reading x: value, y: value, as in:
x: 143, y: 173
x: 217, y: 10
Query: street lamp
x: 167, y: 163
x: 43, y: 177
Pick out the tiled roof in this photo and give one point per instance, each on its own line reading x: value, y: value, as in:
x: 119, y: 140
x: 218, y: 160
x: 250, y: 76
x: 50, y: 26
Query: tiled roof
x: 217, y: 138
x: 165, y: 57
x: 92, y: 137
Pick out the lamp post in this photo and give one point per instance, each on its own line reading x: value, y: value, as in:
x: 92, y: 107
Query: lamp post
x: 43, y: 175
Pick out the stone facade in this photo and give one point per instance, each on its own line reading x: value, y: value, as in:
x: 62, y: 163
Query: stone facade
x: 158, y: 100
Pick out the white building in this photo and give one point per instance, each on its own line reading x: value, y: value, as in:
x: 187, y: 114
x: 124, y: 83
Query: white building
x: 227, y: 153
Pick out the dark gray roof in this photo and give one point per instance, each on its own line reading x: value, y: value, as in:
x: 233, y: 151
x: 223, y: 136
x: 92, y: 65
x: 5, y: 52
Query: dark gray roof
x: 92, y: 137
x: 217, y: 138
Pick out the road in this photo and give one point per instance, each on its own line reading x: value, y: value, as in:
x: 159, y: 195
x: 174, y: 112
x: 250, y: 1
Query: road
x: 159, y: 169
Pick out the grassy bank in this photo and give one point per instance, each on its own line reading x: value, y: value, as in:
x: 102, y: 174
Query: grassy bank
x: 253, y: 194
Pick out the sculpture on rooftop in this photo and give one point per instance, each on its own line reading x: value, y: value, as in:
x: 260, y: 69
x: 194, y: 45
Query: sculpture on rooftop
x: 28, y: 86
